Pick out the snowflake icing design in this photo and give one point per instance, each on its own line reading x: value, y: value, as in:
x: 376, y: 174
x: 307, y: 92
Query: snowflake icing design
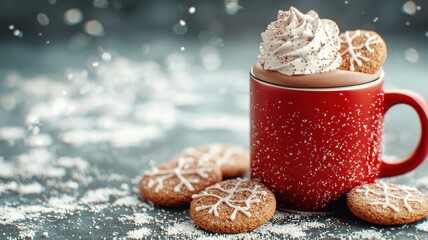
x: 357, y: 56
x: 387, y: 197
x: 216, y: 153
x: 238, y: 205
x: 183, y: 171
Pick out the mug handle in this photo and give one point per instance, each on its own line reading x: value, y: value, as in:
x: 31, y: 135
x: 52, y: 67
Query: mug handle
x: 419, y: 104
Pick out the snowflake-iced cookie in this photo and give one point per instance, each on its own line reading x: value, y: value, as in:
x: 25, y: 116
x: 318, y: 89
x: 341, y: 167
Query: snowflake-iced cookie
x: 362, y: 51
x: 387, y: 203
x: 233, y: 160
x: 173, y: 183
x: 233, y: 206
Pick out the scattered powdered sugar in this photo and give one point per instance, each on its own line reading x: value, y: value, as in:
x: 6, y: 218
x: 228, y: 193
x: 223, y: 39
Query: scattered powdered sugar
x: 70, y: 162
x: 101, y: 195
x: 11, y: 133
x: 6, y: 169
x: 31, y: 188
x: 41, y: 140
x: 37, y: 163
x: 120, y: 137
x: 9, y: 215
x: 366, y: 235
x: 422, y: 182
x: 141, y: 233
x: 422, y: 226
x: 290, y: 230
x: 138, y: 219
x: 131, y: 201
x: 63, y: 204
x: 184, y: 229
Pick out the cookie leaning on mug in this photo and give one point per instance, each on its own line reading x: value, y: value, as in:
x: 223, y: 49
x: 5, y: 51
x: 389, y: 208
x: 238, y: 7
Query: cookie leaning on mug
x: 387, y: 204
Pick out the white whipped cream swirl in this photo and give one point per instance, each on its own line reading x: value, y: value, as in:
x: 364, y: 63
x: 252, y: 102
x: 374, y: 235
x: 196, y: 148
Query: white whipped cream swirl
x: 298, y: 44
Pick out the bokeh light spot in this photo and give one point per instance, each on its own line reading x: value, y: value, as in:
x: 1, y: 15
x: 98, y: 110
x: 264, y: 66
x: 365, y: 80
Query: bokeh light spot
x: 73, y: 16
x: 409, y: 8
x: 100, y: 4
x: 43, y: 19
x: 94, y: 28
x: 411, y: 55
x: 192, y: 10
x: 18, y: 33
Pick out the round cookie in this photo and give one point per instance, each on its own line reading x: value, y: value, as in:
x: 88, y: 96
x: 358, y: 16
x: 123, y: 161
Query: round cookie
x: 233, y: 206
x: 173, y: 183
x: 387, y: 203
x: 362, y: 51
x: 233, y: 160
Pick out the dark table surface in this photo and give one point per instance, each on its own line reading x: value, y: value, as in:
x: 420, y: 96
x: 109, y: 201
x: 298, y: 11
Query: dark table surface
x: 74, y: 142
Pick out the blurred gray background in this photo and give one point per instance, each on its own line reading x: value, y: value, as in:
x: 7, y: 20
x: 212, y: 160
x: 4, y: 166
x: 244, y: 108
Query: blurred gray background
x: 45, y: 37
x: 71, y: 31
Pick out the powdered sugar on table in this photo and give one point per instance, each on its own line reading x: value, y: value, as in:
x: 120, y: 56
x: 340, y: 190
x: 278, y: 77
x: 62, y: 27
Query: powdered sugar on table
x: 72, y: 158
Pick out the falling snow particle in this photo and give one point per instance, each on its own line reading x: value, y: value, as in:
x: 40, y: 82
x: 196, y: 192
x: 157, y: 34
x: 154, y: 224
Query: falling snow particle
x: 106, y: 56
x: 43, y: 19
x: 11, y: 133
x: 73, y: 16
x: 411, y: 55
x: 232, y: 6
x: 192, y: 10
x: 423, y: 226
x: 94, y: 28
x: 100, y: 4
x: 182, y: 48
x: 95, y: 64
x: 409, y: 8
x: 18, y: 33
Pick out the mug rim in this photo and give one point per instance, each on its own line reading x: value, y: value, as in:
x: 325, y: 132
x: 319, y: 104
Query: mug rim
x: 321, y: 89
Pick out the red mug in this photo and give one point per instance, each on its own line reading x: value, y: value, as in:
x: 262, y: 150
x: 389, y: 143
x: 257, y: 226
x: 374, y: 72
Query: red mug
x: 311, y: 146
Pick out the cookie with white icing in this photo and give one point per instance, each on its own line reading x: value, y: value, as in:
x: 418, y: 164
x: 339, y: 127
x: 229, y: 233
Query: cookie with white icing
x: 233, y: 160
x: 233, y: 206
x: 173, y: 183
x: 362, y: 51
x: 387, y: 203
